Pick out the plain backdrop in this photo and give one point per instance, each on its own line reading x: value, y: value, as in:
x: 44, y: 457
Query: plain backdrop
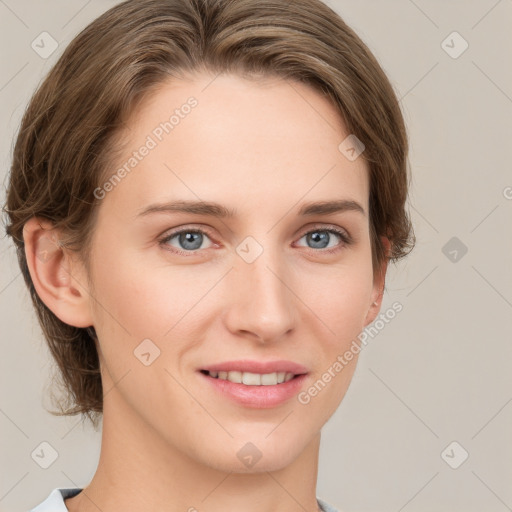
x: 426, y: 423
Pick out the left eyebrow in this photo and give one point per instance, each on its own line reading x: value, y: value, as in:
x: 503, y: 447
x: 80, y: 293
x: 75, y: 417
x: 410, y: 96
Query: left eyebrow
x: 330, y: 207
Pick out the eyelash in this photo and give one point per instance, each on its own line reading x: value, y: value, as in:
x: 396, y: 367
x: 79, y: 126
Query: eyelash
x: 345, y: 238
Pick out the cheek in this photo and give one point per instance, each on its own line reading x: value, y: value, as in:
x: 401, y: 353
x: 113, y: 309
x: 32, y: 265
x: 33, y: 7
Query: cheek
x: 339, y: 296
x: 154, y: 301
x: 131, y: 296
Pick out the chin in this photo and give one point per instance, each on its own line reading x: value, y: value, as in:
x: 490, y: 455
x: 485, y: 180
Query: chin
x: 259, y: 455
x: 267, y: 463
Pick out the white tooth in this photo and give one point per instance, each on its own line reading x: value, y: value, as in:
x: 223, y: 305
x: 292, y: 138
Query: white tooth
x: 251, y: 379
x: 235, y: 376
x: 254, y: 379
x: 269, y: 379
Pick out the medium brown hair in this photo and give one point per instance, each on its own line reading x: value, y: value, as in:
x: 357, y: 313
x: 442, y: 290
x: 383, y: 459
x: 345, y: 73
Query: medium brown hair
x: 74, y: 118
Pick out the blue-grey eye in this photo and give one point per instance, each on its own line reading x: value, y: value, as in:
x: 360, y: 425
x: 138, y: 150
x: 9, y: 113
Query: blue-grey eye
x: 321, y: 238
x: 187, y: 240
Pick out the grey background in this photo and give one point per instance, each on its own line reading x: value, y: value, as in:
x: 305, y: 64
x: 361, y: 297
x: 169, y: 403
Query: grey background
x: 439, y: 371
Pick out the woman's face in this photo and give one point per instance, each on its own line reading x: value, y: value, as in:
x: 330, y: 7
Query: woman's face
x: 253, y: 286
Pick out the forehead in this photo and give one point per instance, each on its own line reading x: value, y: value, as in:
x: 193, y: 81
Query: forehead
x: 238, y: 142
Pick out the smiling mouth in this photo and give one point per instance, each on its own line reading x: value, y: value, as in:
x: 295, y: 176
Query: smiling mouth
x: 252, y: 379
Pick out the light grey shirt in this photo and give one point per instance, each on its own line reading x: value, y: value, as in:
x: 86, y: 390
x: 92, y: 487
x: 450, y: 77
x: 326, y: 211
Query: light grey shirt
x: 55, y: 501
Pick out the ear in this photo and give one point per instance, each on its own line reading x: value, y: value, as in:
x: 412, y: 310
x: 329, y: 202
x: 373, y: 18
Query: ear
x: 58, y: 276
x: 379, y: 281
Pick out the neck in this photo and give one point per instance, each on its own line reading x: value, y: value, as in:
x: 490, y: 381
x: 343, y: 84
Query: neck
x: 139, y: 470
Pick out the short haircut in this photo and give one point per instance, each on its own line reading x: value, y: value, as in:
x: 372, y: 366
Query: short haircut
x: 68, y: 135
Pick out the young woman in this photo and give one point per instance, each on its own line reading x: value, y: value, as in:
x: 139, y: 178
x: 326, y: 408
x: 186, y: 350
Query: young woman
x: 205, y: 196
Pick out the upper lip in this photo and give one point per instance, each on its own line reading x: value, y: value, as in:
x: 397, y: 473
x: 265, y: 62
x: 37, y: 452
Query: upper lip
x: 257, y: 367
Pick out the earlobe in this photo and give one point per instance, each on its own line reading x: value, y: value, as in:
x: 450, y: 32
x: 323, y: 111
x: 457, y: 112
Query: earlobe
x: 57, y: 278
x: 378, y: 285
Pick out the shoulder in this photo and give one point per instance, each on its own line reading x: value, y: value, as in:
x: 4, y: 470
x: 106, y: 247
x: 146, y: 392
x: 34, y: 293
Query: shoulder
x: 326, y: 507
x: 55, y: 500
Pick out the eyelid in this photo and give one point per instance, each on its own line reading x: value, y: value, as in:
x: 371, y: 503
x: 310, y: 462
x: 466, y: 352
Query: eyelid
x: 343, y: 234
x: 319, y: 226
x: 188, y: 228
x: 171, y: 233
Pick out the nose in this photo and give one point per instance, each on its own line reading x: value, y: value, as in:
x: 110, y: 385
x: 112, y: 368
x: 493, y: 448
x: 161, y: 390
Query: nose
x: 261, y: 302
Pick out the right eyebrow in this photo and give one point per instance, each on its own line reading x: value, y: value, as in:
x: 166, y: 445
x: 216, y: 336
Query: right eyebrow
x: 193, y: 207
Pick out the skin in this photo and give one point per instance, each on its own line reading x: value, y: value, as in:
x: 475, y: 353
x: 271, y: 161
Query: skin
x: 169, y: 441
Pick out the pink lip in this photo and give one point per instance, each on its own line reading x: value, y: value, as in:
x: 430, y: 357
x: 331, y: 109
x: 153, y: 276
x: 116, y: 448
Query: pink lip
x: 257, y: 397
x: 258, y: 367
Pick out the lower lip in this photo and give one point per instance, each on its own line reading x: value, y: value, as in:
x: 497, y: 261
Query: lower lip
x: 258, y: 397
